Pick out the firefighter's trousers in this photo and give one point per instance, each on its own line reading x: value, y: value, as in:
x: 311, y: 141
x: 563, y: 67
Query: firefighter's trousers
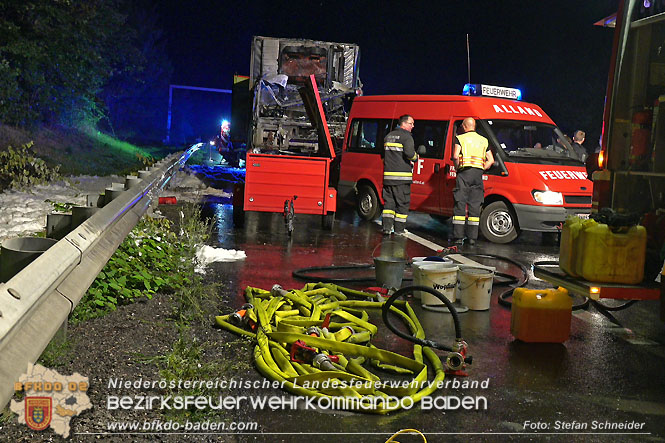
x: 397, y: 199
x: 469, y: 193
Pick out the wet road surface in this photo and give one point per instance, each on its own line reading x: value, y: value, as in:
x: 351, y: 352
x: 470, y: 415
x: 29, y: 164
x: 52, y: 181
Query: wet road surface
x: 604, y: 375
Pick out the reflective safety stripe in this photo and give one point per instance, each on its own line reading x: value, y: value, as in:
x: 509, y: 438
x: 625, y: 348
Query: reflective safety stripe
x: 414, y: 158
x: 400, y: 176
x: 405, y: 179
x: 394, y: 147
x: 473, y: 223
x: 402, y: 216
x: 474, y: 219
x: 459, y: 217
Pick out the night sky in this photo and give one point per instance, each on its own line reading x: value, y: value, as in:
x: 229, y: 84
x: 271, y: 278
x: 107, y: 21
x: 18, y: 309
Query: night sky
x: 550, y: 49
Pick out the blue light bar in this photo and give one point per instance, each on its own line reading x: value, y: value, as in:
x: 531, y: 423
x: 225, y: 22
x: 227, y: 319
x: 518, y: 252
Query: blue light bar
x: 470, y: 89
x: 492, y: 91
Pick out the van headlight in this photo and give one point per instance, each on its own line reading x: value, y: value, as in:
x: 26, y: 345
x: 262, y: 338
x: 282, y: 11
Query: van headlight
x: 547, y: 197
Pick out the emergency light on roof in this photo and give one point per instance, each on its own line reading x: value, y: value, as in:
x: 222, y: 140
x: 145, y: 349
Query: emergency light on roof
x: 492, y: 91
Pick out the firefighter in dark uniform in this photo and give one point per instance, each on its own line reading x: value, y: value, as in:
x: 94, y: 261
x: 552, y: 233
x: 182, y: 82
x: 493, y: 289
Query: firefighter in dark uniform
x: 471, y: 157
x: 397, y: 175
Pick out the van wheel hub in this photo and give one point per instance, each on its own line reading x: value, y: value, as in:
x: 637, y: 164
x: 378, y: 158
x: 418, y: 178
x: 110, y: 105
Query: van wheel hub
x: 501, y: 222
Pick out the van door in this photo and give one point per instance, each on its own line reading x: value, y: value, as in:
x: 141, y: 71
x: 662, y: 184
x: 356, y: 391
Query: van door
x: 450, y: 175
x: 447, y: 199
x: 428, y: 171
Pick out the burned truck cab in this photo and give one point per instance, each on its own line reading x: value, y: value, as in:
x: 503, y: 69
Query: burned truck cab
x: 300, y: 93
x: 279, y: 68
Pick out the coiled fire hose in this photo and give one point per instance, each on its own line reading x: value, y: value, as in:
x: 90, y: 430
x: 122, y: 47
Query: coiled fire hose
x: 307, y: 337
x: 457, y: 358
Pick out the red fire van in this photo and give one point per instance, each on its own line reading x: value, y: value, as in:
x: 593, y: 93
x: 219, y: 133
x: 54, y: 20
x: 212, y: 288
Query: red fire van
x: 537, y: 179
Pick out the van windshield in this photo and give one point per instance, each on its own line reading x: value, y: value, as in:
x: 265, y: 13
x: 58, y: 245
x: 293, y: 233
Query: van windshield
x: 528, y: 141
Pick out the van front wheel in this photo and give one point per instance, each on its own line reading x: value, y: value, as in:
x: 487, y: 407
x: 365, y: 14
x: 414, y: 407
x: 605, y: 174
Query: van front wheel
x: 368, y: 202
x: 498, y: 223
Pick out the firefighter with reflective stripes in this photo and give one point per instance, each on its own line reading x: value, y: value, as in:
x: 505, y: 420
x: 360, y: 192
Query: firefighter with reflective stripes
x: 398, y: 175
x: 471, y: 157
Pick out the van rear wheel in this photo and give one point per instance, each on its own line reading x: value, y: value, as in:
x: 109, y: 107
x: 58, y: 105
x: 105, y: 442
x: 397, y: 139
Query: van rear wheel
x: 368, y: 202
x: 498, y: 223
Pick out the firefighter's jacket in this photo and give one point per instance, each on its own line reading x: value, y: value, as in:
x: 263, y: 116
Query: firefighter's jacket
x: 399, y: 153
x: 474, y: 147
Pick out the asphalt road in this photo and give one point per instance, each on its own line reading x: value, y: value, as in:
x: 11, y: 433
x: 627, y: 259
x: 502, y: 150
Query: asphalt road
x: 606, y: 378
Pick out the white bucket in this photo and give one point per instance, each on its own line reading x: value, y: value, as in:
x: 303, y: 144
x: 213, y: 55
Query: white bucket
x: 474, y: 287
x: 416, y: 265
x: 442, y: 277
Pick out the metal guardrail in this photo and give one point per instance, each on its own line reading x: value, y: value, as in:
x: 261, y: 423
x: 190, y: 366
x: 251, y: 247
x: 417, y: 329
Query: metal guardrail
x: 37, y: 301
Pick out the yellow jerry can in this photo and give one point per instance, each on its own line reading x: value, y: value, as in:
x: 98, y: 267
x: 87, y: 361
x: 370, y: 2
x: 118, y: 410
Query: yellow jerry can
x: 541, y: 315
x: 611, y: 256
x: 569, y: 248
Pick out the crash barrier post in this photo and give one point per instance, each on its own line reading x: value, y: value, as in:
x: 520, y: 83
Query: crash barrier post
x: 19, y: 252
x: 35, y: 302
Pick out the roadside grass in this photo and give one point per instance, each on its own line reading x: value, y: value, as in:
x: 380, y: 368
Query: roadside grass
x: 6, y: 416
x: 157, y: 256
x: 57, y: 353
x: 83, y: 152
x: 152, y: 259
x: 189, y: 358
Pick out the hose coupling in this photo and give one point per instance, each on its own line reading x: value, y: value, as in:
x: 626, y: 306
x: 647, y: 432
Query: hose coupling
x: 458, y: 358
x: 240, y: 317
x: 455, y: 361
x: 278, y: 291
x: 325, y: 362
x: 313, y: 331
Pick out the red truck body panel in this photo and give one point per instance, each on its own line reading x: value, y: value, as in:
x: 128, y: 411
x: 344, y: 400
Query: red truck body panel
x: 272, y: 179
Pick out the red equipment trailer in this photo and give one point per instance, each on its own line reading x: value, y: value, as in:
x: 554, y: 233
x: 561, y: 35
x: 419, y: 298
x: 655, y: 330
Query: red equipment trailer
x: 293, y: 184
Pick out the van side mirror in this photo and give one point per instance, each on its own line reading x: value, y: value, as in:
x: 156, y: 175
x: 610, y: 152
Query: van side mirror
x: 422, y: 150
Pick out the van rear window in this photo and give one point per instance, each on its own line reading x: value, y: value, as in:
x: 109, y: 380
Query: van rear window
x: 367, y: 135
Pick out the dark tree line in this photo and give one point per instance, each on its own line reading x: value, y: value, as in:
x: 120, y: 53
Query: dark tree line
x: 81, y: 63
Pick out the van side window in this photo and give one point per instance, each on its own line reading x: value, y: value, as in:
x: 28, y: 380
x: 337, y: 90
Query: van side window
x: 431, y: 134
x: 367, y: 135
x: 457, y: 130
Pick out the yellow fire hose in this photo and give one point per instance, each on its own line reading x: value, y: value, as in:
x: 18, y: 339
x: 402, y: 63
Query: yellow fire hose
x: 282, y: 318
